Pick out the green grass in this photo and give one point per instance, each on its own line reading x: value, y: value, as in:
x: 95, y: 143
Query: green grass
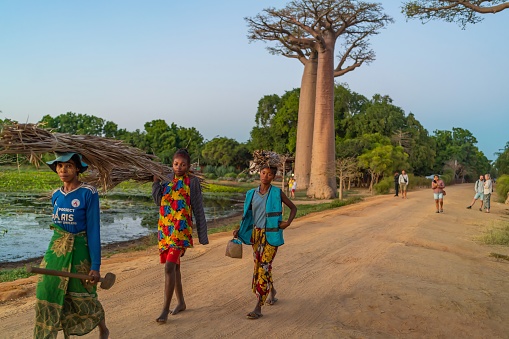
x: 497, y: 234
x: 27, y: 179
x: 14, y: 274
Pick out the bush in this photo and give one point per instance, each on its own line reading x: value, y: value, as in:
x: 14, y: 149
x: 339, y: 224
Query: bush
x: 209, y: 169
x: 221, y: 171
x: 230, y: 175
x: 384, y: 186
x: 419, y: 182
x: 502, y: 187
x: 448, y: 178
x: 242, y: 176
x: 210, y: 175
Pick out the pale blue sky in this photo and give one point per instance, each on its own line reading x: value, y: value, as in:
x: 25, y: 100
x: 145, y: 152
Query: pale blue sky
x: 189, y: 62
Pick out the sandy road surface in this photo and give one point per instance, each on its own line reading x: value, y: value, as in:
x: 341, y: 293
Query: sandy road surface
x: 384, y: 268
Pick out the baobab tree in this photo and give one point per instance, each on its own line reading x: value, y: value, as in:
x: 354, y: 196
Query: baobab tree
x: 353, y: 54
x: 462, y: 12
x: 316, y: 26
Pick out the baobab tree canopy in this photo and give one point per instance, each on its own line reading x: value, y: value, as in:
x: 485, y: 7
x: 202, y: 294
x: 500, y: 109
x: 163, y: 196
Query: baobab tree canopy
x: 462, y: 12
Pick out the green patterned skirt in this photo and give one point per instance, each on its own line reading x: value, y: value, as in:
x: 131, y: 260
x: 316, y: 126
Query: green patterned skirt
x: 66, y: 304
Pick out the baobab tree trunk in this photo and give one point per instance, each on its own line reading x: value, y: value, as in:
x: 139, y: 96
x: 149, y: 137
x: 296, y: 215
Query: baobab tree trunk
x: 305, y: 122
x: 322, y: 184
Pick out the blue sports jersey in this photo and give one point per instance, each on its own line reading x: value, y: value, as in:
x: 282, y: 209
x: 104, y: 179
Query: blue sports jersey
x: 78, y: 211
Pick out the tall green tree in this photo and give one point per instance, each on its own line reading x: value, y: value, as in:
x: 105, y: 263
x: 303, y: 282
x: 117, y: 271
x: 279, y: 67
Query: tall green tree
x: 192, y: 140
x: 420, y: 147
x: 502, y: 163
x: 458, y: 147
x: 75, y: 123
x: 223, y: 151
x: 382, y: 159
x: 379, y: 116
x: 276, y: 123
x: 164, y: 140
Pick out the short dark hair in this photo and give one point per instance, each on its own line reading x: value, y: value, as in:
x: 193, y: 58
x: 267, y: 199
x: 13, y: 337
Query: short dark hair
x: 272, y: 168
x: 182, y: 153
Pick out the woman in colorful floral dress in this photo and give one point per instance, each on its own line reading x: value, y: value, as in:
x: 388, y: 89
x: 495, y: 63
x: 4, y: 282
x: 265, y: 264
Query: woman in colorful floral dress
x: 262, y: 227
x: 178, y: 199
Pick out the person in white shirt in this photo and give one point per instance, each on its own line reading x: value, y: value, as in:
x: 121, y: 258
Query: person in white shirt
x: 403, y: 184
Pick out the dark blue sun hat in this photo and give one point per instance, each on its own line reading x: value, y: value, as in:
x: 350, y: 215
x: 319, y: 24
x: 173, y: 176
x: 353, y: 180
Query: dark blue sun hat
x: 65, y: 157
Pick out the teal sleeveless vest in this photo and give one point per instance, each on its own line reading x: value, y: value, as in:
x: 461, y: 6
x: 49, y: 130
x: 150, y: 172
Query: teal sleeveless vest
x: 273, y: 215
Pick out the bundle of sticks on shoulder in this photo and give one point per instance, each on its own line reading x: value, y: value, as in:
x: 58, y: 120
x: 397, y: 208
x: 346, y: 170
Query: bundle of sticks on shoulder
x: 110, y: 161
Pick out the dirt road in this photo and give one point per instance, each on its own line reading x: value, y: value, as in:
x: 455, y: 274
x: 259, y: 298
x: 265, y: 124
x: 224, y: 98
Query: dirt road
x: 384, y: 268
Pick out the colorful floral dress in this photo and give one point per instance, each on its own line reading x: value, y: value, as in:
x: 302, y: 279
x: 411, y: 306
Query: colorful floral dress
x: 263, y: 255
x: 175, y: 221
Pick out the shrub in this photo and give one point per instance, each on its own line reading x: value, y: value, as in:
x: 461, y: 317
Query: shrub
x: 448, y: 177
x: 502, y: 187
x: 221, y: 171
x: 384, y: 186
x: 209, y: 169
x: 230, y: 175
x: 210, y: 175
x: 242, y: 176
x: 418, y: 181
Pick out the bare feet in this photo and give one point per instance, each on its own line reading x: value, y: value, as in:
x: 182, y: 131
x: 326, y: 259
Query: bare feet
x: 104, y: 334
x: 272, y: 299
x: 163, y: 317
x: 179, y: 308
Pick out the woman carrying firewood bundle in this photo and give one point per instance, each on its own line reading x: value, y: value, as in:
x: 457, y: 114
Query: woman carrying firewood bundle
x: 177, y: 198
x: 70, y: 304
x: 262, y: 227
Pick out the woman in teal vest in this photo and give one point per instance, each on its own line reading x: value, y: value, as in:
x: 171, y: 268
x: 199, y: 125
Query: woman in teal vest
x: 262, y: 227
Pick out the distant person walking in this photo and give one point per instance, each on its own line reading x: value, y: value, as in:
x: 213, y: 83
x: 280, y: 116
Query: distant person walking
x: 290, y: 184
x: 438, y: 186
x: 403, y: 184
x: 479, y: 193
x: 488, y: 188
x: 294, y: 188
x: 396, y: 183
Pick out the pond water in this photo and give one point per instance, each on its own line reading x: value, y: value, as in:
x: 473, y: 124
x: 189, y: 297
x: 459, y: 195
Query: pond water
x: 25, y: 220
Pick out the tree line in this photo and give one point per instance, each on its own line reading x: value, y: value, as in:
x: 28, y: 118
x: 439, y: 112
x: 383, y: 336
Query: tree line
x: 374, y: 133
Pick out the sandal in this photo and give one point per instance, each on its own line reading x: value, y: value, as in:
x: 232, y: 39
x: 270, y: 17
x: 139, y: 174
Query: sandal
x: 253, y: 315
